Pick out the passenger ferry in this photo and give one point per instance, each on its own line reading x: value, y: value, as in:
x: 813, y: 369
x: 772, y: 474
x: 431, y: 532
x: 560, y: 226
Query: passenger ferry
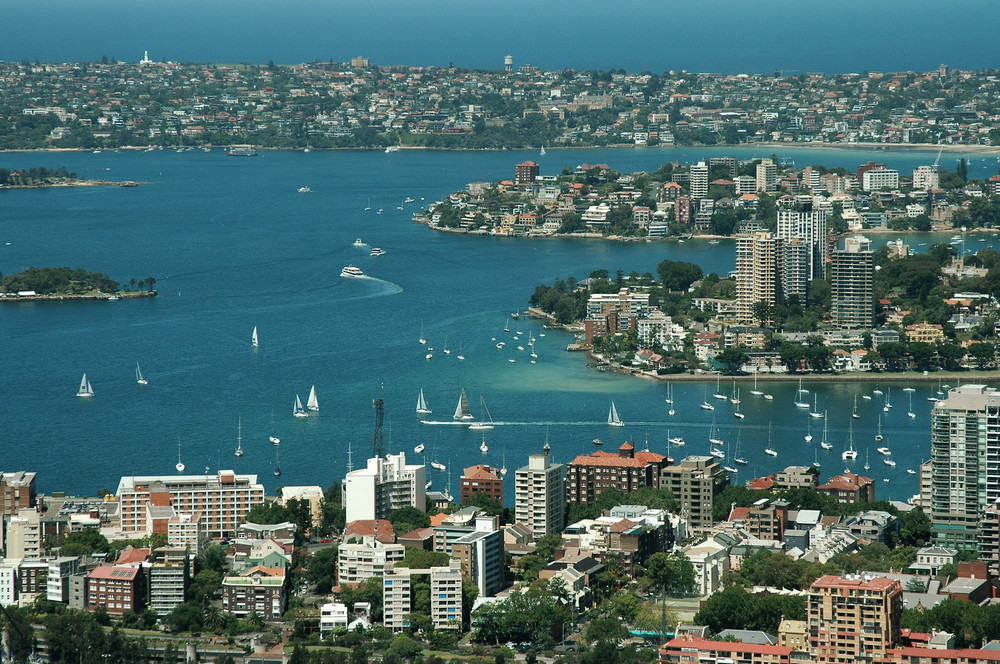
x: 351, y: 271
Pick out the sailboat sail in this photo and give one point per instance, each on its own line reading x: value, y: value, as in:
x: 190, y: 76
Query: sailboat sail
x: 422, y: 408
x: 298, y: 410
x: 480, y: 426
x: 253, y: 339
x: 462, y: 410
x: 312, y: 403
x: 613, y: 419
x: 85, y: 389
x: 138, y: 376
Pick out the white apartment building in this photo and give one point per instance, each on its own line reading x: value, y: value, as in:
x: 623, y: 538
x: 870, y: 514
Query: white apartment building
x: 8, y: 583
x: 658, y: 329
x: 446, y: 596
x: 926, y: 178
x: 24, y: 539
x: 808, y: 225
x: 540, y: 495
x: 57, y: 580
x: 383, y: 486
x: 757, y: 274
x: 880, y: 179
x: 767, y: 175
x: 184, y: 531
x: 699, y: 180
x: 358, y: 561
x: 332, y: 616
x: 222, y: 499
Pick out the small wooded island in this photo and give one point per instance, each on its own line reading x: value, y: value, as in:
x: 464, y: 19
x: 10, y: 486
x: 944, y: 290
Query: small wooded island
x: 40, y: 176
x: 63, y: 283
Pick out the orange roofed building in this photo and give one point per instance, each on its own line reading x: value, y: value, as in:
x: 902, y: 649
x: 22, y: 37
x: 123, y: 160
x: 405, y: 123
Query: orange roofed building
x: 589, y: 475
x: 482, y: 479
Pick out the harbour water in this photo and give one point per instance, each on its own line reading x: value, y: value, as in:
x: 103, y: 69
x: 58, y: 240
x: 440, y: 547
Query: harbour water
x: 233, y: 245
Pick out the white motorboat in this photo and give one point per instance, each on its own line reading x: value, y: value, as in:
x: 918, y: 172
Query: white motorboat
x: 351, y: 271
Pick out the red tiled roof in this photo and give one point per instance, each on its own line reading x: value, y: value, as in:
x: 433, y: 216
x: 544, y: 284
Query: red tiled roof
x: 623, y: 526
x: 480, y: 472
x: 867, y: 583
x: 725, y: 646
x: 114, y: 573
x: 599, y: 458
x: 132, y: 555
x: 738, y: 513
x: 381, y: 529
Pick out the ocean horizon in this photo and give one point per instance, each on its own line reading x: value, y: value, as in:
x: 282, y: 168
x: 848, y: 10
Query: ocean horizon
x: 643, y: 35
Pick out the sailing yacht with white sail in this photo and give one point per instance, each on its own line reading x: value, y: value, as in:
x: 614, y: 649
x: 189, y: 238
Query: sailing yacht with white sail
x: 138, y: 375
x: 613, y: 419
x: 854, y: 413
x: 239, y: 438
x: 483, y: 447
x: 254, y: 339
x: 422, y: 408
x: 850, y: 452
x: 718, y: 391
x: 737, y: 456
x: 770, y: 449
x: 878, y: 433
x: 826, y: 430
x: 298, y: 410
x: 180, y: 464
x: 755, y: 391
x: 485, y: 425
x: 85, y: 390
x: 799, y: 403
x: 815, y: 411
x: 312, y: 403
x: 462, y: 410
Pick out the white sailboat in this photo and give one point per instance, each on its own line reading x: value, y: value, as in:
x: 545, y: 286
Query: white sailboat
x: 312, y: 403
x: 422, y: 408
x: 713, y: 436
x: 888, y: 403
x: 799, y: 403
x: 910, y: 412
x: 422, y: 339
x: 735, y: 398
x: 737, y: 414
x: 180, y: 464
x: 808, y: 437
x: 878, y: 432
x: 483, y: 447
x: 850, y: 452
x: 854, y: 413
x: 298, y: 410
x: 815, y: 411
x: 239, y: 438
x: 254, y: 340
x: 670, y: 394
x: 826, y: 430
x: 541, y: 153
x: 755, y: 391
x: 816, y: 463
x: 138, y: 375
x: 85, y: 389
x: 867, y: 465
x: 503, y: 464
x: 462, y: 411
x: 486, y: 424
x: 613, y: 419
x: 769, y: 449
x: 419, y: 449
x: 718, y: 392
x: 445, y: 349
x: 737, y: 457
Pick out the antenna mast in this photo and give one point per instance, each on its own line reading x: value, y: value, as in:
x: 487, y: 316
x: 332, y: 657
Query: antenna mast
x: 377, y: 447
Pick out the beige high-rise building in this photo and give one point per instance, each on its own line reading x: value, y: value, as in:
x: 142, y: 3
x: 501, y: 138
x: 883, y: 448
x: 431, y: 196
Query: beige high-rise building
x: 695, y: 482
x: 24, y: 534
x: 853, y: 618
x: 767, y: 175
x: 757, y: 274
x: 540, y: 495
x: 961, y: 480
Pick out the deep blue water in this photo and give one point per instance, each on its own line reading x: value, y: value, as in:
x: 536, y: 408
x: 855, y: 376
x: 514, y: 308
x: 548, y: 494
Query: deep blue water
x: 726, y: 36
x: 233, y: 245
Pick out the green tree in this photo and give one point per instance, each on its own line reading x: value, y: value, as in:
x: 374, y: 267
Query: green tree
x: 732, y: 359
x: 408, y: 518
x: 678, y: 275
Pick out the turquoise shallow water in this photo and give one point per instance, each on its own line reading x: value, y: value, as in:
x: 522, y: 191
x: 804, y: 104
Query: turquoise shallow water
x: 233, y: 245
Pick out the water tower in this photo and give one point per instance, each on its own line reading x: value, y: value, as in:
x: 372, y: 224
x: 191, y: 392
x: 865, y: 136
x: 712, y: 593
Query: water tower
x: 508, y: 63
